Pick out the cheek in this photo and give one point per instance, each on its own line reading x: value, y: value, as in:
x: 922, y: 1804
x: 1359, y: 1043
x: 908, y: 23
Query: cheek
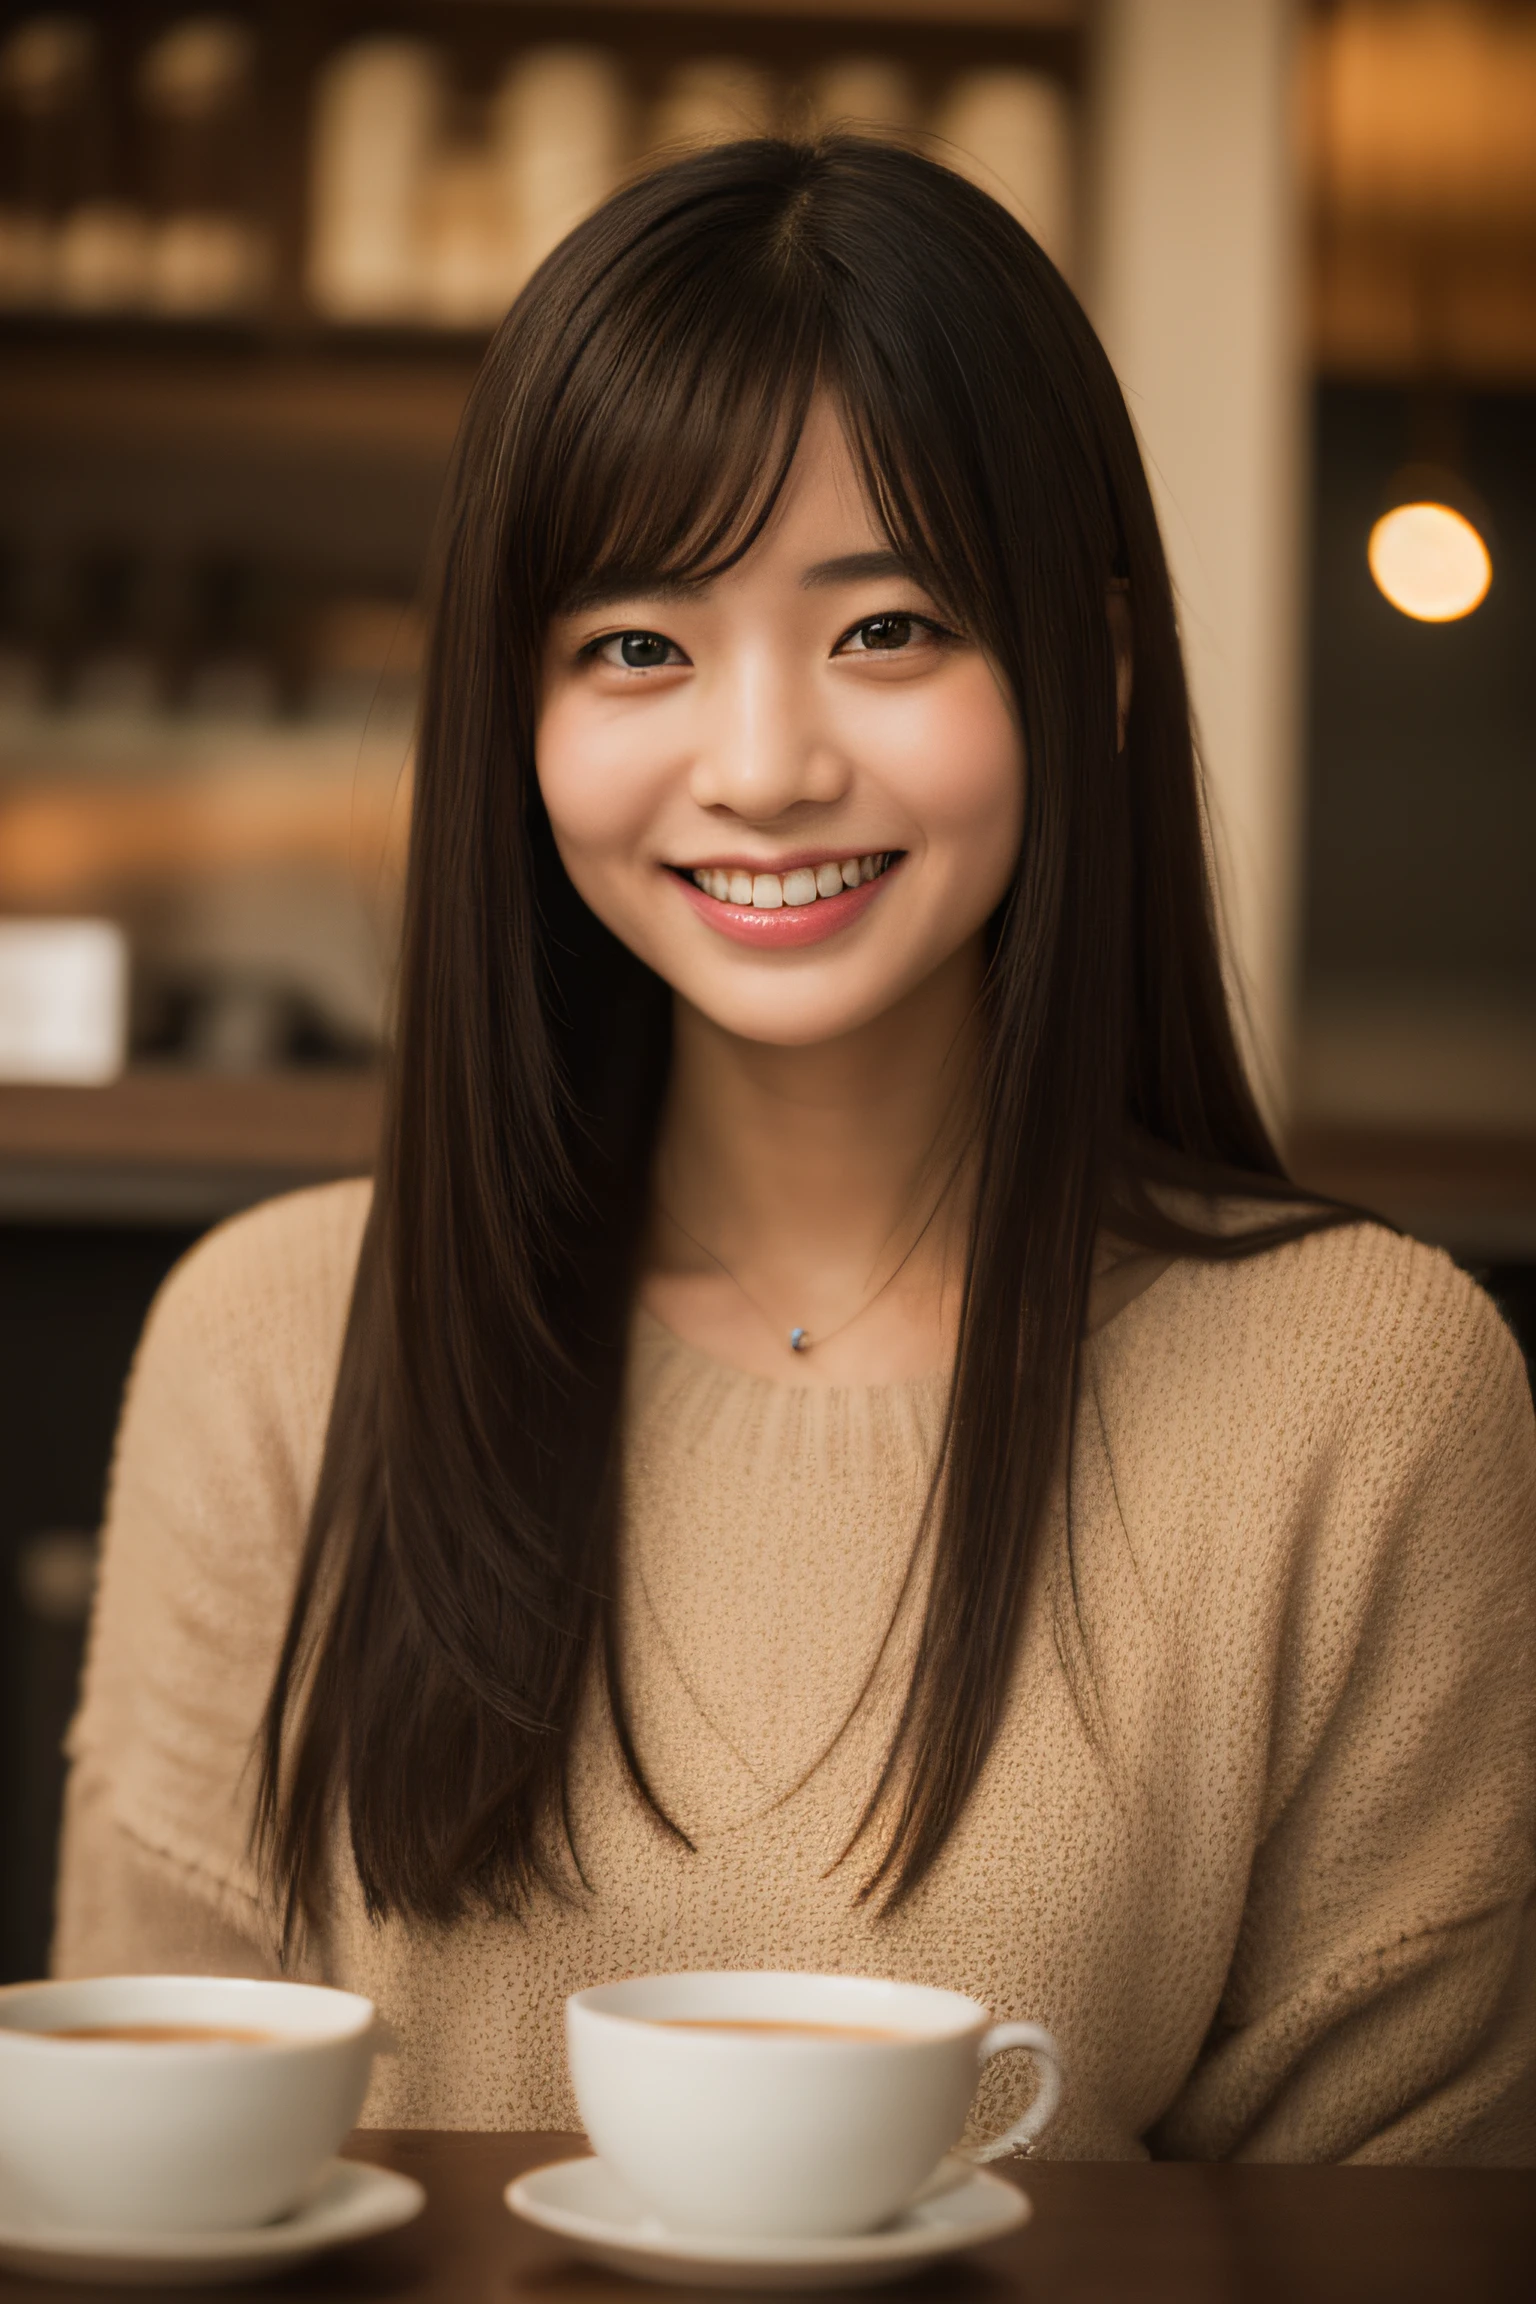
x: 595, y: 781
x: 958, y: 767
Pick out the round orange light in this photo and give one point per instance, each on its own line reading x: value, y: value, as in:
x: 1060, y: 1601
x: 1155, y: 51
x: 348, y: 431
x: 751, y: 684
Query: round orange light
x: 1430, y: 562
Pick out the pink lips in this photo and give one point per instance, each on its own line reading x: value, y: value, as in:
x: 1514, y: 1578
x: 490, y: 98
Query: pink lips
x: 793, y: 925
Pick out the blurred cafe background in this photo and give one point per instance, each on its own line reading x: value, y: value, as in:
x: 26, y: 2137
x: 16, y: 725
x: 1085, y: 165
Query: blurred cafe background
x: 249, y: 257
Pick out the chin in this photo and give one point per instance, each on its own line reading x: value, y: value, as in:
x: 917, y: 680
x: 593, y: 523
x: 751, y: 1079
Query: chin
x: 779, y: 1017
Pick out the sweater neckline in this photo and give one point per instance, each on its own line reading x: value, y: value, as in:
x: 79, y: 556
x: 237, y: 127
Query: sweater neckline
x: 647, y: 1326
x: 1141, y: 1274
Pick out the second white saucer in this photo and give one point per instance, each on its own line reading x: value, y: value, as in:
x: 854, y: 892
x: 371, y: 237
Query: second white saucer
x: 349, y: 2201
x: 585, y: 2203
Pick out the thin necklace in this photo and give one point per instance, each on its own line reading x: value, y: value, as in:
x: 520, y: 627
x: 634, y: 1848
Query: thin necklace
x: 800, y: 1339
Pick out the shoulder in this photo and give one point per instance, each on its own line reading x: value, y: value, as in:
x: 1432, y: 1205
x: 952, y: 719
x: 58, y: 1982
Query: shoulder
x: 1320, y: 1454
x: 280, y: 1272
x: 249, y: 1325
x: 230, y: 1391
x: 1344, y: 1327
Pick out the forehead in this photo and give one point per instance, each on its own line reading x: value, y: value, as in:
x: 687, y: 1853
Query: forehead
x: 823, y: 514
x: 825, y: 485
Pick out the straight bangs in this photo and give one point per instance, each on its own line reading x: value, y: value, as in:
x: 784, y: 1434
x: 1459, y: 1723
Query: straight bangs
x: 675, y: 424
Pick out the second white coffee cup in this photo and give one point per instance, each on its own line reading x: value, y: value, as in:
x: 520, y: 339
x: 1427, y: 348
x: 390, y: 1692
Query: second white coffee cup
x: 778, y: 2105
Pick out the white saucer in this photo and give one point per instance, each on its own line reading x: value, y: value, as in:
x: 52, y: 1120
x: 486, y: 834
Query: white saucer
x: 596, y: 2211
x: 349, y: 2201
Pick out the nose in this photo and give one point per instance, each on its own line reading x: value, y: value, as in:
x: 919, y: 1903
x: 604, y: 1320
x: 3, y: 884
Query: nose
x: 762, y: 746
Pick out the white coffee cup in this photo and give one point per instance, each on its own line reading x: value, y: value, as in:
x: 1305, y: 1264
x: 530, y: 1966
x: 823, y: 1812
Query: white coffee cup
x: 184, y: 2136
x: 786, y: 2133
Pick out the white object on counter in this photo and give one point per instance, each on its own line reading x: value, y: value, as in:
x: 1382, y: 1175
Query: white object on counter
x: 562, y: 132
x: 378, y: 107
x: 63, y: 1001
x: 1011, y: 133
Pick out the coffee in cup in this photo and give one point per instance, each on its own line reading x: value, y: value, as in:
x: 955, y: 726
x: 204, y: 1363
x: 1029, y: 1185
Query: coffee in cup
x: 175, y: 2103
x: 776, y: 2105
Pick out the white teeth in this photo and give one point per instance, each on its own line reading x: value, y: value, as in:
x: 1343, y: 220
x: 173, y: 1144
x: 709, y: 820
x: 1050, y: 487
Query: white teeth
x: 769, y: 891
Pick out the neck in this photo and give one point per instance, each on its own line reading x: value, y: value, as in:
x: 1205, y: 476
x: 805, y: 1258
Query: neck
x: 810, y: 1171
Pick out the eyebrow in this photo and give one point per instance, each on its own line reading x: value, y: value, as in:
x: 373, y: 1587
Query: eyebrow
x: 856, y: 568
x: 597, y: 599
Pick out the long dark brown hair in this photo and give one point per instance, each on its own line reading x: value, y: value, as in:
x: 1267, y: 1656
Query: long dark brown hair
x: 635, y: 417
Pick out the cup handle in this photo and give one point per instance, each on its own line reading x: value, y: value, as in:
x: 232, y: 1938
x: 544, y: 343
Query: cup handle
x: 1047, y: 2096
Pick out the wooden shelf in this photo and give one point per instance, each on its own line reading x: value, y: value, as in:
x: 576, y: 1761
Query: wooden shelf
x: 281, y: 380
x: 1048, y: 15
x: 126, y: 389
x: 1416, y: 135
x: 1473, y: 1194
x: 170, y: 1146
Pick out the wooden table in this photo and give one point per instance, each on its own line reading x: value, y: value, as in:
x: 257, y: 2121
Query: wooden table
x: 1100, y: 2234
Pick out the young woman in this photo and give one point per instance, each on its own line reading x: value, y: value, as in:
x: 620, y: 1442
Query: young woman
x: 831, y: 1442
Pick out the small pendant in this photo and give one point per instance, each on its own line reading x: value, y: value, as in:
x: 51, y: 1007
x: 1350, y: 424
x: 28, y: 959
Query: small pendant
x: 798, y: 1340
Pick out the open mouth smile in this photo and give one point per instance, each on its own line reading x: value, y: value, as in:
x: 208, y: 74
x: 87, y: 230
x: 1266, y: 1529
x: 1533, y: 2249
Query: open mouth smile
x: 777, y: 911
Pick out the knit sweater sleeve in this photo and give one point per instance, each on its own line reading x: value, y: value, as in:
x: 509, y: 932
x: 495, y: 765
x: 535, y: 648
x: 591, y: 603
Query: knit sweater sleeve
x: 124, y: 1909
x: 217, y: 1454
x: 1381, y: 2005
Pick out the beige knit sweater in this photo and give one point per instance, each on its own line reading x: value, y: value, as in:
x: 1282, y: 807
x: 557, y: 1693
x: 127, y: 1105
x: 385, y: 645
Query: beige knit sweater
x: 1267, y: 1874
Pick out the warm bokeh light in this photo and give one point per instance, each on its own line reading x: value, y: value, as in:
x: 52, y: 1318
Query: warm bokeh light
x: 1430, y: 562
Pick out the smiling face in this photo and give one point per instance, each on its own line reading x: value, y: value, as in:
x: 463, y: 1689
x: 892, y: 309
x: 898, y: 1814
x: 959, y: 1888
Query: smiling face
x: 795, y: 791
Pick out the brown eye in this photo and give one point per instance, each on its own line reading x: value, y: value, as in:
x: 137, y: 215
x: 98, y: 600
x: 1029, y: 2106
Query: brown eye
x: 642, y: 651
x: 886, y: 632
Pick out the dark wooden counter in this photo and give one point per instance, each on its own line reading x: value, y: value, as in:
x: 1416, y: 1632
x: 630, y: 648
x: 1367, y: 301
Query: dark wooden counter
x: 1474, y: 1193
x: 1100, y: 2235
x: 179, y: 1146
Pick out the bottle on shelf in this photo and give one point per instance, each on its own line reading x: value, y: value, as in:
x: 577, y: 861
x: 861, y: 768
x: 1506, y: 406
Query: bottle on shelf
x: 362, y: 658
x: 562, y: 131
x: 115, y: 670
x: 375, y: 128
x: 712, y: 100
x: 196, y: 92
x: 24, y: 671
x: 463, y: 272
x: 68, y: 240
x: 233, y: 662
x: 1010, y: 131
x: 870, y: 95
